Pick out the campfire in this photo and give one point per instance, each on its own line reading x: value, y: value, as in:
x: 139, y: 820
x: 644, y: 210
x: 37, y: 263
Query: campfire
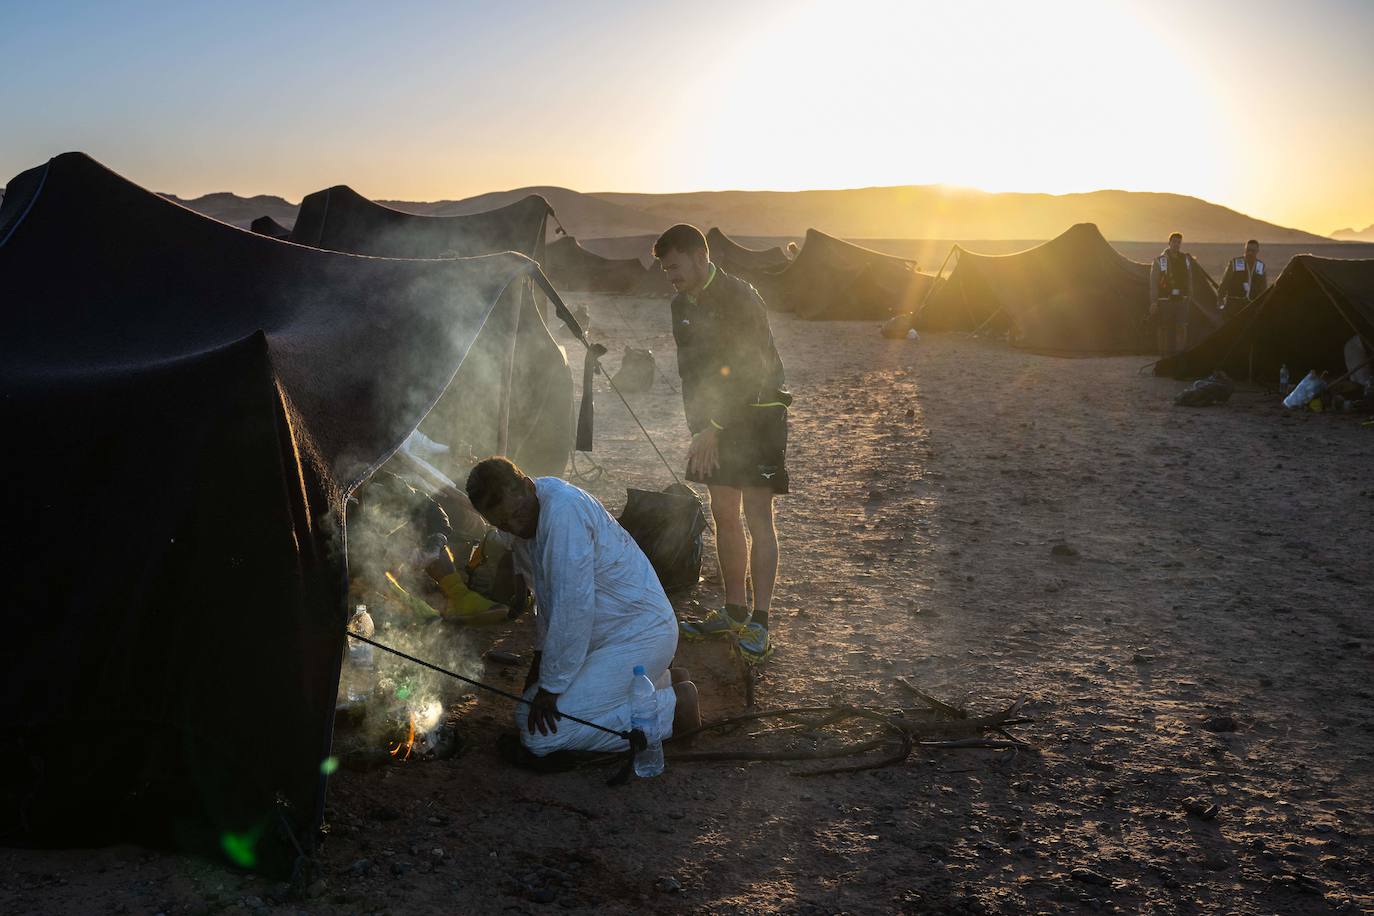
x: 384, y: 716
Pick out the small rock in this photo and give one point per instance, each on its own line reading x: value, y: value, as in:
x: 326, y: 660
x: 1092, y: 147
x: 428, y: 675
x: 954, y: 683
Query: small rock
x: 1200, y: 807
x: 1063, y: 550
x: 910, y: 413
x: 384, y: 813
x: 1088, y: 876
x: 253, y: 903
x: 1102, y: 765
x: 399, y: 868
x: 1220, y: 724
x: 668, y: 885
x: 360, y: 867
x: 544, y: 895
x: 437, y: 853
x: 317, y: 888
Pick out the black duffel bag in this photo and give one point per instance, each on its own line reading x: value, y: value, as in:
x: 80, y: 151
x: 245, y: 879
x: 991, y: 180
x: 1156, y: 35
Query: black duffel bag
x: 668, y: 527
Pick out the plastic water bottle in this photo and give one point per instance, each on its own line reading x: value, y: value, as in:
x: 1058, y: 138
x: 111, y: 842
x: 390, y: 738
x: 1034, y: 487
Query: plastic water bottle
x: 1283, y: 380
x: 644, y: 716
x: 360, y: 653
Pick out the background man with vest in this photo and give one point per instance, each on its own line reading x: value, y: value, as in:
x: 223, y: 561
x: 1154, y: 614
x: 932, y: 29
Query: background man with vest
x: 1171, y: 289
x: 1244, y: 280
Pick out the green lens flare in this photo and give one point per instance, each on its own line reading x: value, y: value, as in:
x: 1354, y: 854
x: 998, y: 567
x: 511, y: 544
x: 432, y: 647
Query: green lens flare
x: 329, y: 765
x: 239, y: 847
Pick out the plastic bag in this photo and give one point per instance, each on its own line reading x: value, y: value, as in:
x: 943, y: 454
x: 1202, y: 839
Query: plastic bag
x: 668, y: 527
x: 1310, y: 387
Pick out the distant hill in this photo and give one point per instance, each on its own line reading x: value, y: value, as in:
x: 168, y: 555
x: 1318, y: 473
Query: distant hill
x: 1352, y: 235
x: 932, y: 211
x: 580, y: 214
x: 239, y: 211
x: 909, y: 212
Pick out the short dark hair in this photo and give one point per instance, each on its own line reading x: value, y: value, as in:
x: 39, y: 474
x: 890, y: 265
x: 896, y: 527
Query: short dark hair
x: 1175, y: 235
x: 490, y: 479
x: 683, y: 237
x: 1254, y: 242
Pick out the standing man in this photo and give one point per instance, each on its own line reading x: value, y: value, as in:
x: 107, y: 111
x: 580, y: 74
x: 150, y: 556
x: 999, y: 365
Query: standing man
x: 1171, y: 291
x: 1244, y: 280
x: 736, y: 403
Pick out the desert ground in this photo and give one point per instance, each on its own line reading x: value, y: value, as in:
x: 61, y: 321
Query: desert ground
x: 1183, y: 598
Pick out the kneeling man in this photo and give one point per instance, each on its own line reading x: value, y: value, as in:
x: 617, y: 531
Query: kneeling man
x: 601, y: 611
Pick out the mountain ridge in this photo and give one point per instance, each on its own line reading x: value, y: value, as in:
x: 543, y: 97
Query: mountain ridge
x: 902, y: 211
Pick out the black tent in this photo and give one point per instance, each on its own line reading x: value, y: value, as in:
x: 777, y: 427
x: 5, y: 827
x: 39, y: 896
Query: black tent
x: 1074, y: 294
x: 572, y: 267
x: 1302, y: 321
x: 340, y: 219
x: 188, y: 404
x: 752, y: 264
x: 836, y: 280
x: 266, y: 225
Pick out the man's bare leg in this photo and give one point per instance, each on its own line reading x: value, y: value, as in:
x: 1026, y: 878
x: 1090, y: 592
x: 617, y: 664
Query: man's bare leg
x: 763, y: 556
x: 732, y: 550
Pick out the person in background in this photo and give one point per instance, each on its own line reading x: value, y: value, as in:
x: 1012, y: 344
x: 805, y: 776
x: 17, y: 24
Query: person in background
x: 601, y: 611
x: 1171, y: 291
x: 791, y: 251
x: 734, y: 395
x: 1245, y: 278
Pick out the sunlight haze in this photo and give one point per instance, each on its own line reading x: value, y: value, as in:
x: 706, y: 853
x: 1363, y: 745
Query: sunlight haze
x: 1259, y: 106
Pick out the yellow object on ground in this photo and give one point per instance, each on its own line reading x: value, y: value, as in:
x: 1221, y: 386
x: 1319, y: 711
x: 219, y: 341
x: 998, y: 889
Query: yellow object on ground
x: 463, y: 602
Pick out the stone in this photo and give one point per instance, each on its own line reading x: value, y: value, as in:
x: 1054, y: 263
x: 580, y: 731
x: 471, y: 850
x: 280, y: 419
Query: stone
x: 1220, y: 724
x: 668, y: 885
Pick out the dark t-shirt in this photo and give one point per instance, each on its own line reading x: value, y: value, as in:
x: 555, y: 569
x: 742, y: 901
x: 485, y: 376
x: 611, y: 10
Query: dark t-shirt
x: 725, y: 353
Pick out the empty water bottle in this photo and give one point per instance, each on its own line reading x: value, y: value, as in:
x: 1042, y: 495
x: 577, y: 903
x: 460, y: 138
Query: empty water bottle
x: 1283, y: 380
x: 644, y: 716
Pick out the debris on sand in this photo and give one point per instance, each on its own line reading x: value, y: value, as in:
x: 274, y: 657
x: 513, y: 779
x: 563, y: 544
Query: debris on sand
x: 1220, y: 724
x: 1063, y: 550
x: 1201, y: 808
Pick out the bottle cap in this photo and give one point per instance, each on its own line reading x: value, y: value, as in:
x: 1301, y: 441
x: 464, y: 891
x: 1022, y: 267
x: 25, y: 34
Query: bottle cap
x: 639, y: 669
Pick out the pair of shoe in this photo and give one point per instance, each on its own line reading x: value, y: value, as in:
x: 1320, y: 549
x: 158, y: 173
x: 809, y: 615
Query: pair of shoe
x: 751, y: 638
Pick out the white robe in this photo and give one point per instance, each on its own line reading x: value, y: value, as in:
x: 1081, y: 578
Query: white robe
x: 601, y: 612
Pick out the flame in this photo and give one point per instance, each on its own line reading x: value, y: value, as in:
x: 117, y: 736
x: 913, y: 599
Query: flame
x: 403, y: 748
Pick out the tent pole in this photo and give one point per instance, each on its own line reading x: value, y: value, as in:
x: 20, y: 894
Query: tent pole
x: 980, y: 327
x: 508, y: 378
x: 938, y: 274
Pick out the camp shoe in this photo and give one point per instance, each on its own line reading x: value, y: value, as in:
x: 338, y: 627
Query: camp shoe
x: 716, y: 623
x: 754, y: 644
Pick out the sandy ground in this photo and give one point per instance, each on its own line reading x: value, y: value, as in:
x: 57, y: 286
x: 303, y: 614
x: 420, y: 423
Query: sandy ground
x: 1217, y: 567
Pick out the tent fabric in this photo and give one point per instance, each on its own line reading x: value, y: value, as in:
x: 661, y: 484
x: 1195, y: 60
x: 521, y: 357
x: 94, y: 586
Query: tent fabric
x: 834, y: 280
x: 1303, y: 321
x: 541, y: 409
x: 266, y: 225
x: 188, y: 404
x: 1072, y: 295
x: 752, y: 264
x: 341, y: 219
x: 572, y: 267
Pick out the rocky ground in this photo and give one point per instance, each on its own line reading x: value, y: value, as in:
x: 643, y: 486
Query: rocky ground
x: 1182, y: 596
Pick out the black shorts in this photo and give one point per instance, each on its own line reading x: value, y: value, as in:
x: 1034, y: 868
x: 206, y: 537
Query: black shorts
x: 752, y: 454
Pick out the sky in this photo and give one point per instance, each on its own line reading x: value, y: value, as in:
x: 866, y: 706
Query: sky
x: 1263, y: 106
